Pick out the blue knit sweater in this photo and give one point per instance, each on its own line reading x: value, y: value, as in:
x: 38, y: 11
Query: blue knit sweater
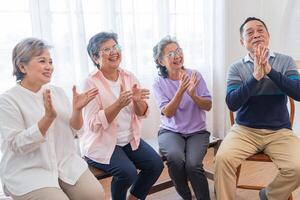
x: 263, y: 104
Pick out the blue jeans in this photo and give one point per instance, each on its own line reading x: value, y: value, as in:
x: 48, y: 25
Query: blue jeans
x: 123, y: 167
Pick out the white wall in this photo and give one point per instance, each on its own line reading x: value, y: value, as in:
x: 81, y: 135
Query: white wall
x: 283, y: 20
x: 272, y: 12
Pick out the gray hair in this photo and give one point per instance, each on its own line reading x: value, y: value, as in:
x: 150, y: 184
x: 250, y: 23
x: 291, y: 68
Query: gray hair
x: 158, y: 53
x: 96, y: 42
x: 24, y: 51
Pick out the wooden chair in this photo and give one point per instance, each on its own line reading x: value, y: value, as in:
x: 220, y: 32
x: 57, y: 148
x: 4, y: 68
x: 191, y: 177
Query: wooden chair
x: 260, y: 157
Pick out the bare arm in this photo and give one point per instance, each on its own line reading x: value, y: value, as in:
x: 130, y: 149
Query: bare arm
x: 138, y: 99
x: 79, y: 102
x: 113, y: 110
x: 171, y: 107
x: 203, y: 103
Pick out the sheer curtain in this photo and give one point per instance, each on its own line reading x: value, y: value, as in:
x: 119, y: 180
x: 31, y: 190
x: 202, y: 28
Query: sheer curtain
x: 140, y: 25
x: 219, y: 64
x: 67, y: 25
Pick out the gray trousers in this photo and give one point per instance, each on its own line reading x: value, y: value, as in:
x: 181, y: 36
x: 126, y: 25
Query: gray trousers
x: 185, y: 154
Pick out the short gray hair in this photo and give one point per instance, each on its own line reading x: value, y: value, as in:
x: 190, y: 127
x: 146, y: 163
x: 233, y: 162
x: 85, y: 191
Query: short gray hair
x: 24, y: 51
x: 96, y: 42
x: 158, y: 53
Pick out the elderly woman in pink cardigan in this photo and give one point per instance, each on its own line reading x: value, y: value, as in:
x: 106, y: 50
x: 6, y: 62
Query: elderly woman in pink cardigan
x: 112, y: 140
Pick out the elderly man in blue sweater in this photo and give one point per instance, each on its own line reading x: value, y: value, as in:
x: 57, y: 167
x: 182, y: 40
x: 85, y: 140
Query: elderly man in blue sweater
x: 257, y: 88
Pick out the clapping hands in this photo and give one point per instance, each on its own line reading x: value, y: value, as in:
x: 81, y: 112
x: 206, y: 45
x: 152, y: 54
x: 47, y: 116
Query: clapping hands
x: 125, y: 97
x: 261, y: 64
x: 135, y: 95
x: 50, y: 112
x: 187, y: 83
x: 80, y: 100
x: 139, y: 94
x: 193, y: 84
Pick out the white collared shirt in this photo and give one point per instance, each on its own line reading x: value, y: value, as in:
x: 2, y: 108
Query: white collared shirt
x: 30, y: 160
x: 248, y: 58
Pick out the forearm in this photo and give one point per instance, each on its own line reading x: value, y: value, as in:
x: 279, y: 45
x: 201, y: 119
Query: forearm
x: 26, y: 141
x: 286, y: 85
x: 112, y: 111
x: 76, y: 120
x: 203, y: 103
x: 236, y: 98
x: 171, y: 107
x: 140, y: 107
x: 44, y: 124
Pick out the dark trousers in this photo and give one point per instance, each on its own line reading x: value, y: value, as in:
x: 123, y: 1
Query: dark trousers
x: 123, y: 167
x: 185, y: 154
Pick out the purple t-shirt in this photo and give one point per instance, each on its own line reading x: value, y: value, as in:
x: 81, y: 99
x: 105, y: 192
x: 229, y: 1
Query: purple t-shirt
x: 189, y: 118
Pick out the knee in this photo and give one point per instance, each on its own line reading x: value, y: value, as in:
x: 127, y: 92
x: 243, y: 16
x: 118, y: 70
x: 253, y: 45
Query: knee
x: 175, y: 159
x: 194, y: 168
x: 223, y: 159
x: 293, y: 171
x: 97, y: 194
x: 127, y: 175
x: 154, y: 167
x: 157, y: 165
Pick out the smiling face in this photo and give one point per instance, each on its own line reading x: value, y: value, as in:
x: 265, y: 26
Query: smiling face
x: 109, y: 55
x: 254, y: 34
x: 38, y: 71
x: 172, y: 57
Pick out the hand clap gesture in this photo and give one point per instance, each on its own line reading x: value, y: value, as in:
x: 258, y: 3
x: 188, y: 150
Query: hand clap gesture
x: 81, y: 100
x: 125, y: 97
x: 261, y: 64
x: 193, y: 84
x: 50, y: 112
x: 184, y: 82
x: 139, y: 94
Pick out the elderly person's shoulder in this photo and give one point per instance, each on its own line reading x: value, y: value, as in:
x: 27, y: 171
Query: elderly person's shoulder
x: 129, y: 74
x: 12, y: 93
x: 8, y: 95
x: 126, y: 72
x: 282, y: 56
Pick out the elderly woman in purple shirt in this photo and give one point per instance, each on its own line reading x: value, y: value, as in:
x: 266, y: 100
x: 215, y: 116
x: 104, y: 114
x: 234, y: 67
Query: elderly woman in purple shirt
x: 183, y: 98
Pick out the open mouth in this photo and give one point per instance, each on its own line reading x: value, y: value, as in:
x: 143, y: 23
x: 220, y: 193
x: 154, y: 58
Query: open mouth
x: 114, y: 58
x: 48, y: 75
x: 177, y: 62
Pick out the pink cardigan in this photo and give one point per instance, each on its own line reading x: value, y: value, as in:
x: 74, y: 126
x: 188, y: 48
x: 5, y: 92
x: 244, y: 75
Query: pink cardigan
x: 100, y: 138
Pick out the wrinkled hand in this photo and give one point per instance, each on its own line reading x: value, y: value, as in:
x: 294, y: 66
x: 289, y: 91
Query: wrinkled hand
x: 139, y: 94
x: 81, y: 100
x: 264, y: 59
x: 125, y: 97
x: 49, y: 109
x: 183, y: 82
x: 193, y: 84
x: 258, y: 71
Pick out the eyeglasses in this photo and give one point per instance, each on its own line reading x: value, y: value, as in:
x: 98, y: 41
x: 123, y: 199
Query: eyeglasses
x: 108, y: 51
x: 172, y: 54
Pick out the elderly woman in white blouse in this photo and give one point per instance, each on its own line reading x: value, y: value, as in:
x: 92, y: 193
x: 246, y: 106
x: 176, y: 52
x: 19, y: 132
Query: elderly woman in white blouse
x: 37, y: 128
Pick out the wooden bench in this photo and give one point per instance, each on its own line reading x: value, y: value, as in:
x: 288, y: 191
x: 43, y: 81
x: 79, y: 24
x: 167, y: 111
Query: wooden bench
x: 214, y: 143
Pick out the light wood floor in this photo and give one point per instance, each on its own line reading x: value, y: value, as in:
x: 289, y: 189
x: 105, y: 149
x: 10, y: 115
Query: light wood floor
x: 252, y: 172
